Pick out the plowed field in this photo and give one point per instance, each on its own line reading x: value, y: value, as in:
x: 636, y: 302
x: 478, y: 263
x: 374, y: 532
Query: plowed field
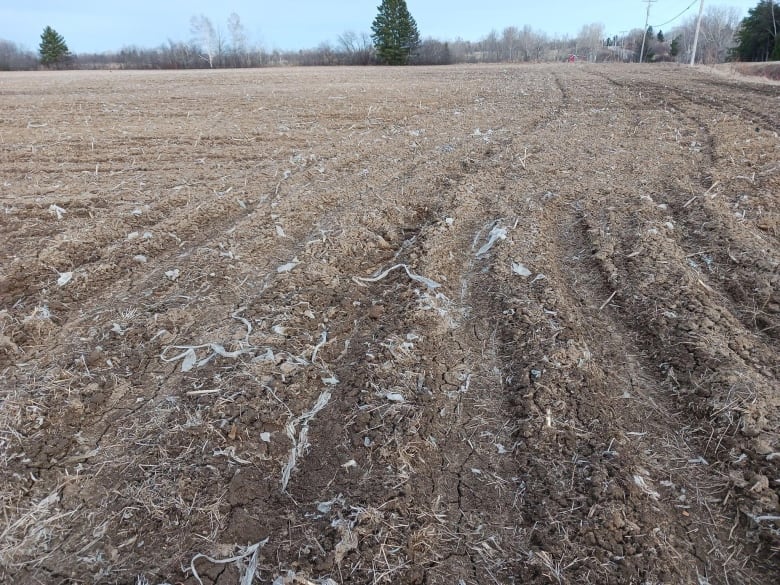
x: 460, y: 325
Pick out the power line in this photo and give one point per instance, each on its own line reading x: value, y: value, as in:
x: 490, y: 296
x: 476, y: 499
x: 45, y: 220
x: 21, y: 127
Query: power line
x: 676, y: 17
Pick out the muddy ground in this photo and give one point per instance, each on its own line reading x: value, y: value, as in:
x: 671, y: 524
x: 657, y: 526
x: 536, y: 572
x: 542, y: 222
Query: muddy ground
x: 459, y: 325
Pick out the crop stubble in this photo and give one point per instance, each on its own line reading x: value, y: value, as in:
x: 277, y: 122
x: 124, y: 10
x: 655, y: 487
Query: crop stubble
x: 610, y: 418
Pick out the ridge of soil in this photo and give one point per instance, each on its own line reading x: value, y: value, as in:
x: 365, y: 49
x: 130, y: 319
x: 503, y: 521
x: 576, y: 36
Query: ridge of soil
x: 473, y: 324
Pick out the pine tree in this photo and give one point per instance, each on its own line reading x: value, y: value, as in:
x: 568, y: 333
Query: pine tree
x: 757, y: 34
x: 674, y: 49
x: 53, y: 48
x: 660, y: 36
x: 395, y: 33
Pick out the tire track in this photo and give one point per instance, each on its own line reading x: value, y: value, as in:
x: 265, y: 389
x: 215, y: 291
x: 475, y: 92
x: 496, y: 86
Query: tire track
x: 753, y: 260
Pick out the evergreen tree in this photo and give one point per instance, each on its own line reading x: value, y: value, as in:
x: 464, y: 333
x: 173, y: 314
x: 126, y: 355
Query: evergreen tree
x: 447, y: 56
x: 660, y: 36
x: 53, y: 48
x: 757, y: 35
x: 395, y: 33
x: 674, y: 49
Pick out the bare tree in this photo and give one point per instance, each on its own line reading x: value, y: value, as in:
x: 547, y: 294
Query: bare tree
x: 13, y: 56
x: 533, y: 43
x: 716, y: 37
x: 590, y: 40
x: 433, y: 52
x: 178, y: 55
x: 324, y: 54
x: 510, y: 41
x: 461, y: 51
x: 238, y: 40
x: 631, y: 45
x: 490, y: 47
x: 357, y: 49
x: 205, y: 37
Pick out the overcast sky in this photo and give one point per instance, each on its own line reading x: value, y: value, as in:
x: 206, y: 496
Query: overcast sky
x: 108, y: 25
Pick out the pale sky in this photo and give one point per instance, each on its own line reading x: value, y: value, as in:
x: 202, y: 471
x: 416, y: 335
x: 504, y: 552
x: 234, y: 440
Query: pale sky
x: 109, y: 25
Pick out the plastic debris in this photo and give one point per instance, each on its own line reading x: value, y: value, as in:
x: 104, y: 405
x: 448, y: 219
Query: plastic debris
x: 416, y: 277
x: 289, y: 266
x: 496, y: 234
x: 326, y: 507
x: 280, y: 231
x: 236, y: 315
x: 291, y: 578
x: 172, y: 274
x: 39, y: 314
x: 247, y: 572
x: 323, y: 339
x: 190, y: 358
x: 64, y: 278
x: 300, y: 437
x: 520, y: 269
x: 268, y: 356
x: 57, y: 210
x: 642, y: 484
x: 230, y: 453
x: 395, y: 397
x: 140, y: 258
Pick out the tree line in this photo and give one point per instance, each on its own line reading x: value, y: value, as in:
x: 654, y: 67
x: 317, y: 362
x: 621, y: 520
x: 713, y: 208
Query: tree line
x: 395, y: 39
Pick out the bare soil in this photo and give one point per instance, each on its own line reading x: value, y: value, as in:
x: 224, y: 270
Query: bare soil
x: 571, y: 378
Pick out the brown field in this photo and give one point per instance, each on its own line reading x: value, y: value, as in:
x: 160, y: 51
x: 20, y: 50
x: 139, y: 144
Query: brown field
x: 462, y: 325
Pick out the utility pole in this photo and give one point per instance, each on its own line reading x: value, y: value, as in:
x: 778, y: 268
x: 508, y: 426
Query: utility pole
x: 696, y: 36
x: 622, y: 50
x: 647, y: 21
